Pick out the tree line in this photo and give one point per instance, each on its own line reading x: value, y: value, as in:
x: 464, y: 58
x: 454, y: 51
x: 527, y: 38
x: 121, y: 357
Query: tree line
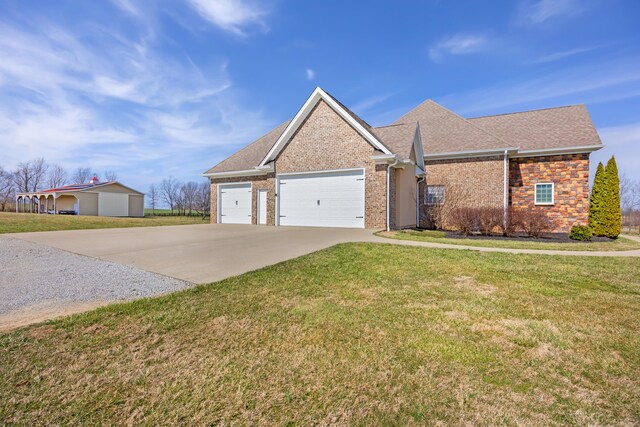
x: 186, y: 198
x: 37, y: 175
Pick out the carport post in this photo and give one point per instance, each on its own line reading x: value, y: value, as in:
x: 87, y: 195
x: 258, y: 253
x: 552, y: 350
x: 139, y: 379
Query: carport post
x: 17, y: 209
x: 54, y: 205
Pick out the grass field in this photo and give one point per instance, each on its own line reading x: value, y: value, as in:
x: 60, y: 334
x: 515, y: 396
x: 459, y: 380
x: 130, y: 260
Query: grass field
x: 620, y: 244
x: 363, y: 334
x: 20, y: 223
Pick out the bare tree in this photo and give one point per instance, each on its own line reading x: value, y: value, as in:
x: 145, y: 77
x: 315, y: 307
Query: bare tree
x: 454, y: 196
x: 82, y: 175
x: 203, y: 199
x: 629, y: 193
x: 57, y: 176
x: 7, y: 189
x: 29, y: 176
x: 189, y: 196
x: 110, y: 176
x: 170, y: 192
x: 152, y: 200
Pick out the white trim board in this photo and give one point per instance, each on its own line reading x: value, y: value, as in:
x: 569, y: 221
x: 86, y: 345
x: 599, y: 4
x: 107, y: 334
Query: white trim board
x: 316, y: 96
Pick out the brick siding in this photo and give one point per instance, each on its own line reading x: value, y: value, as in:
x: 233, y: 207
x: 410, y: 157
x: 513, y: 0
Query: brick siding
x: 325, y: 141
x: 570, y: 176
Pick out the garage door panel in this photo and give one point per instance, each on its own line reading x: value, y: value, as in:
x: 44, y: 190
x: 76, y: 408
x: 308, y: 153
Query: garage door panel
x: 113, y: 204
x: 334, y: 199
x: 235, y: 204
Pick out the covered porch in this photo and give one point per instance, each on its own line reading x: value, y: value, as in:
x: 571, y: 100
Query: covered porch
x: 48, y: 203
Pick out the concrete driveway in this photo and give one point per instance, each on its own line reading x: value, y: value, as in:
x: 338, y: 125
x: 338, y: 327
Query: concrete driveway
x: 197, y: 253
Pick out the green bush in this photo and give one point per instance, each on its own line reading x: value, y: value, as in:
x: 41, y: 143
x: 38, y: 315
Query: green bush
x: 597, y: 201
x: 581, y: 232
x: 612, y: 212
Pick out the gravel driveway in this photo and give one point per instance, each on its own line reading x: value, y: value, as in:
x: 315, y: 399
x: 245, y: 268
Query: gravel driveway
x: 37, y: 282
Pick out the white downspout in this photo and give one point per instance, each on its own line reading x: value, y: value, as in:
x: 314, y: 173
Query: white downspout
x: 505, y: 190
x: 418, y: 200
x: 389, y: 166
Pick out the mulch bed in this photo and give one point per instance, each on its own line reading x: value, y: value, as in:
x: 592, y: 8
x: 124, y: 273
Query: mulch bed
x: 521, y: 237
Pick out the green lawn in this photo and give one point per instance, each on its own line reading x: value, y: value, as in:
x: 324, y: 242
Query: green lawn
x: 20, y: 223
x: 363, y: 334
x: 620, y: 244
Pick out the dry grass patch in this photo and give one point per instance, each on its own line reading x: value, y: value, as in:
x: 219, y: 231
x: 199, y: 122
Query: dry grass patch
x: 23, y: 222
x: 356, y: 334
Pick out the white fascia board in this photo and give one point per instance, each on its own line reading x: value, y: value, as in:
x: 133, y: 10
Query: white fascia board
x: 556, y: 151
x: 246, y: 172
x: 317, y: 95
x: 470, y: 154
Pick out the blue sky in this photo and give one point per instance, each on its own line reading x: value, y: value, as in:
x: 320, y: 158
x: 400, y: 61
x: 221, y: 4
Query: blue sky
x: 171, y: 87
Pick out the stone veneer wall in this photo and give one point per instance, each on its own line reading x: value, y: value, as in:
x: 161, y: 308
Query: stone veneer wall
x: 325, y: 141
x: 570, y: 176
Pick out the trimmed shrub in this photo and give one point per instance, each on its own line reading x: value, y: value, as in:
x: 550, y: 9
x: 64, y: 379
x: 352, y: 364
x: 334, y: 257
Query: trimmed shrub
x: 581, y: 232
x: 465, y: 220
x: 612, y: 218
x: 514, y: 222
x: 489, y: 219
x: 535, y: 223
x: 597, y: 201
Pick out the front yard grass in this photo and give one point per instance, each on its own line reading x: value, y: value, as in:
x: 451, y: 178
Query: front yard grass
x: 23, y: 222
x: 619, y: 244
x: 359, y: 333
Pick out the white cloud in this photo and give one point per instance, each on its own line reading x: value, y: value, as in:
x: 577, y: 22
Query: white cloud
x: 557, y: 56
x: 310, y: 74
x: 540, y: 11
x: 368, y: 103
x: 97, y: 98
x: 602, y: 82
x: 460, y: 44
x: 235, y: 16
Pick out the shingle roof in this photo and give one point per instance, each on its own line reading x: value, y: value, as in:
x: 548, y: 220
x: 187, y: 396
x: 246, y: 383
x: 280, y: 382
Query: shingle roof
x: 558, y: 127
x: 443, y: 131
x: 398, y: 138
x: 250, y: 156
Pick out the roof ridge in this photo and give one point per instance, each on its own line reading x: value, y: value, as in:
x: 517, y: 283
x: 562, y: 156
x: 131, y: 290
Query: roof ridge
x: 527, y: 111
x: 472, y: 124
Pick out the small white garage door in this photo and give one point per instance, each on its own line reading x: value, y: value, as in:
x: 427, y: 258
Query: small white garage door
x: 322, y: 199
x: 113, y: 204
x: 235, y: 203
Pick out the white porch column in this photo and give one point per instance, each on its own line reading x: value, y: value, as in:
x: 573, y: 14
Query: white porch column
x: 17, y: 208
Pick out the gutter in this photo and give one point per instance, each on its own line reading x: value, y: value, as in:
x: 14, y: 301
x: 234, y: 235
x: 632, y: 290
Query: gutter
x: 389, y: 166
x: 422, y: 178
x: 505, y: 189
x: 263, y: 170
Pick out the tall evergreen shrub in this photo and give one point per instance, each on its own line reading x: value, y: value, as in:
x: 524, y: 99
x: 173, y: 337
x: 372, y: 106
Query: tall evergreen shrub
x: 613, y: 213
x: 597, y: 201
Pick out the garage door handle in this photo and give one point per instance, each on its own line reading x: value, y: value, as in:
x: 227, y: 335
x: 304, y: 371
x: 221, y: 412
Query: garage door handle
x: 283, y: 216
x: 359, y: 217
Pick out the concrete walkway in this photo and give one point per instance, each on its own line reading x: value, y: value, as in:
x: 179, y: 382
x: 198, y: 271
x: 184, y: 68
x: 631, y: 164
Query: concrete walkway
x: 632, y: 253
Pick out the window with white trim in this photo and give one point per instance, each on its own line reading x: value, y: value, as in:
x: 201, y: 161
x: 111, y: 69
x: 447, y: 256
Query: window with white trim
x: 434, y: 195
x: 544, y: 194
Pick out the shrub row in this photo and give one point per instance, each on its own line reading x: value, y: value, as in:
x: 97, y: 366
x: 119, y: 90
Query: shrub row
x: 486, y: 220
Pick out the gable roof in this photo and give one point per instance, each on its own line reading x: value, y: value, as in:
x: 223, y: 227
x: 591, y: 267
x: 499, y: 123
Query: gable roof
x: 316, y: 96
x: 558, y: 127
x: 250, y: 156
x: 82, y: 187
x: 443, y: 131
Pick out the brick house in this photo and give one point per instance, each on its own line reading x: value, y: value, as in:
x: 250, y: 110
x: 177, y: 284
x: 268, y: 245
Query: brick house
x: 328, y: 167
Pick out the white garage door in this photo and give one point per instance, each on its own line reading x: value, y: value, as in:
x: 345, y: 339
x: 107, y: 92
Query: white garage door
x: 235, y: 203
x: 113, y: 204
x: 322, y: 199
